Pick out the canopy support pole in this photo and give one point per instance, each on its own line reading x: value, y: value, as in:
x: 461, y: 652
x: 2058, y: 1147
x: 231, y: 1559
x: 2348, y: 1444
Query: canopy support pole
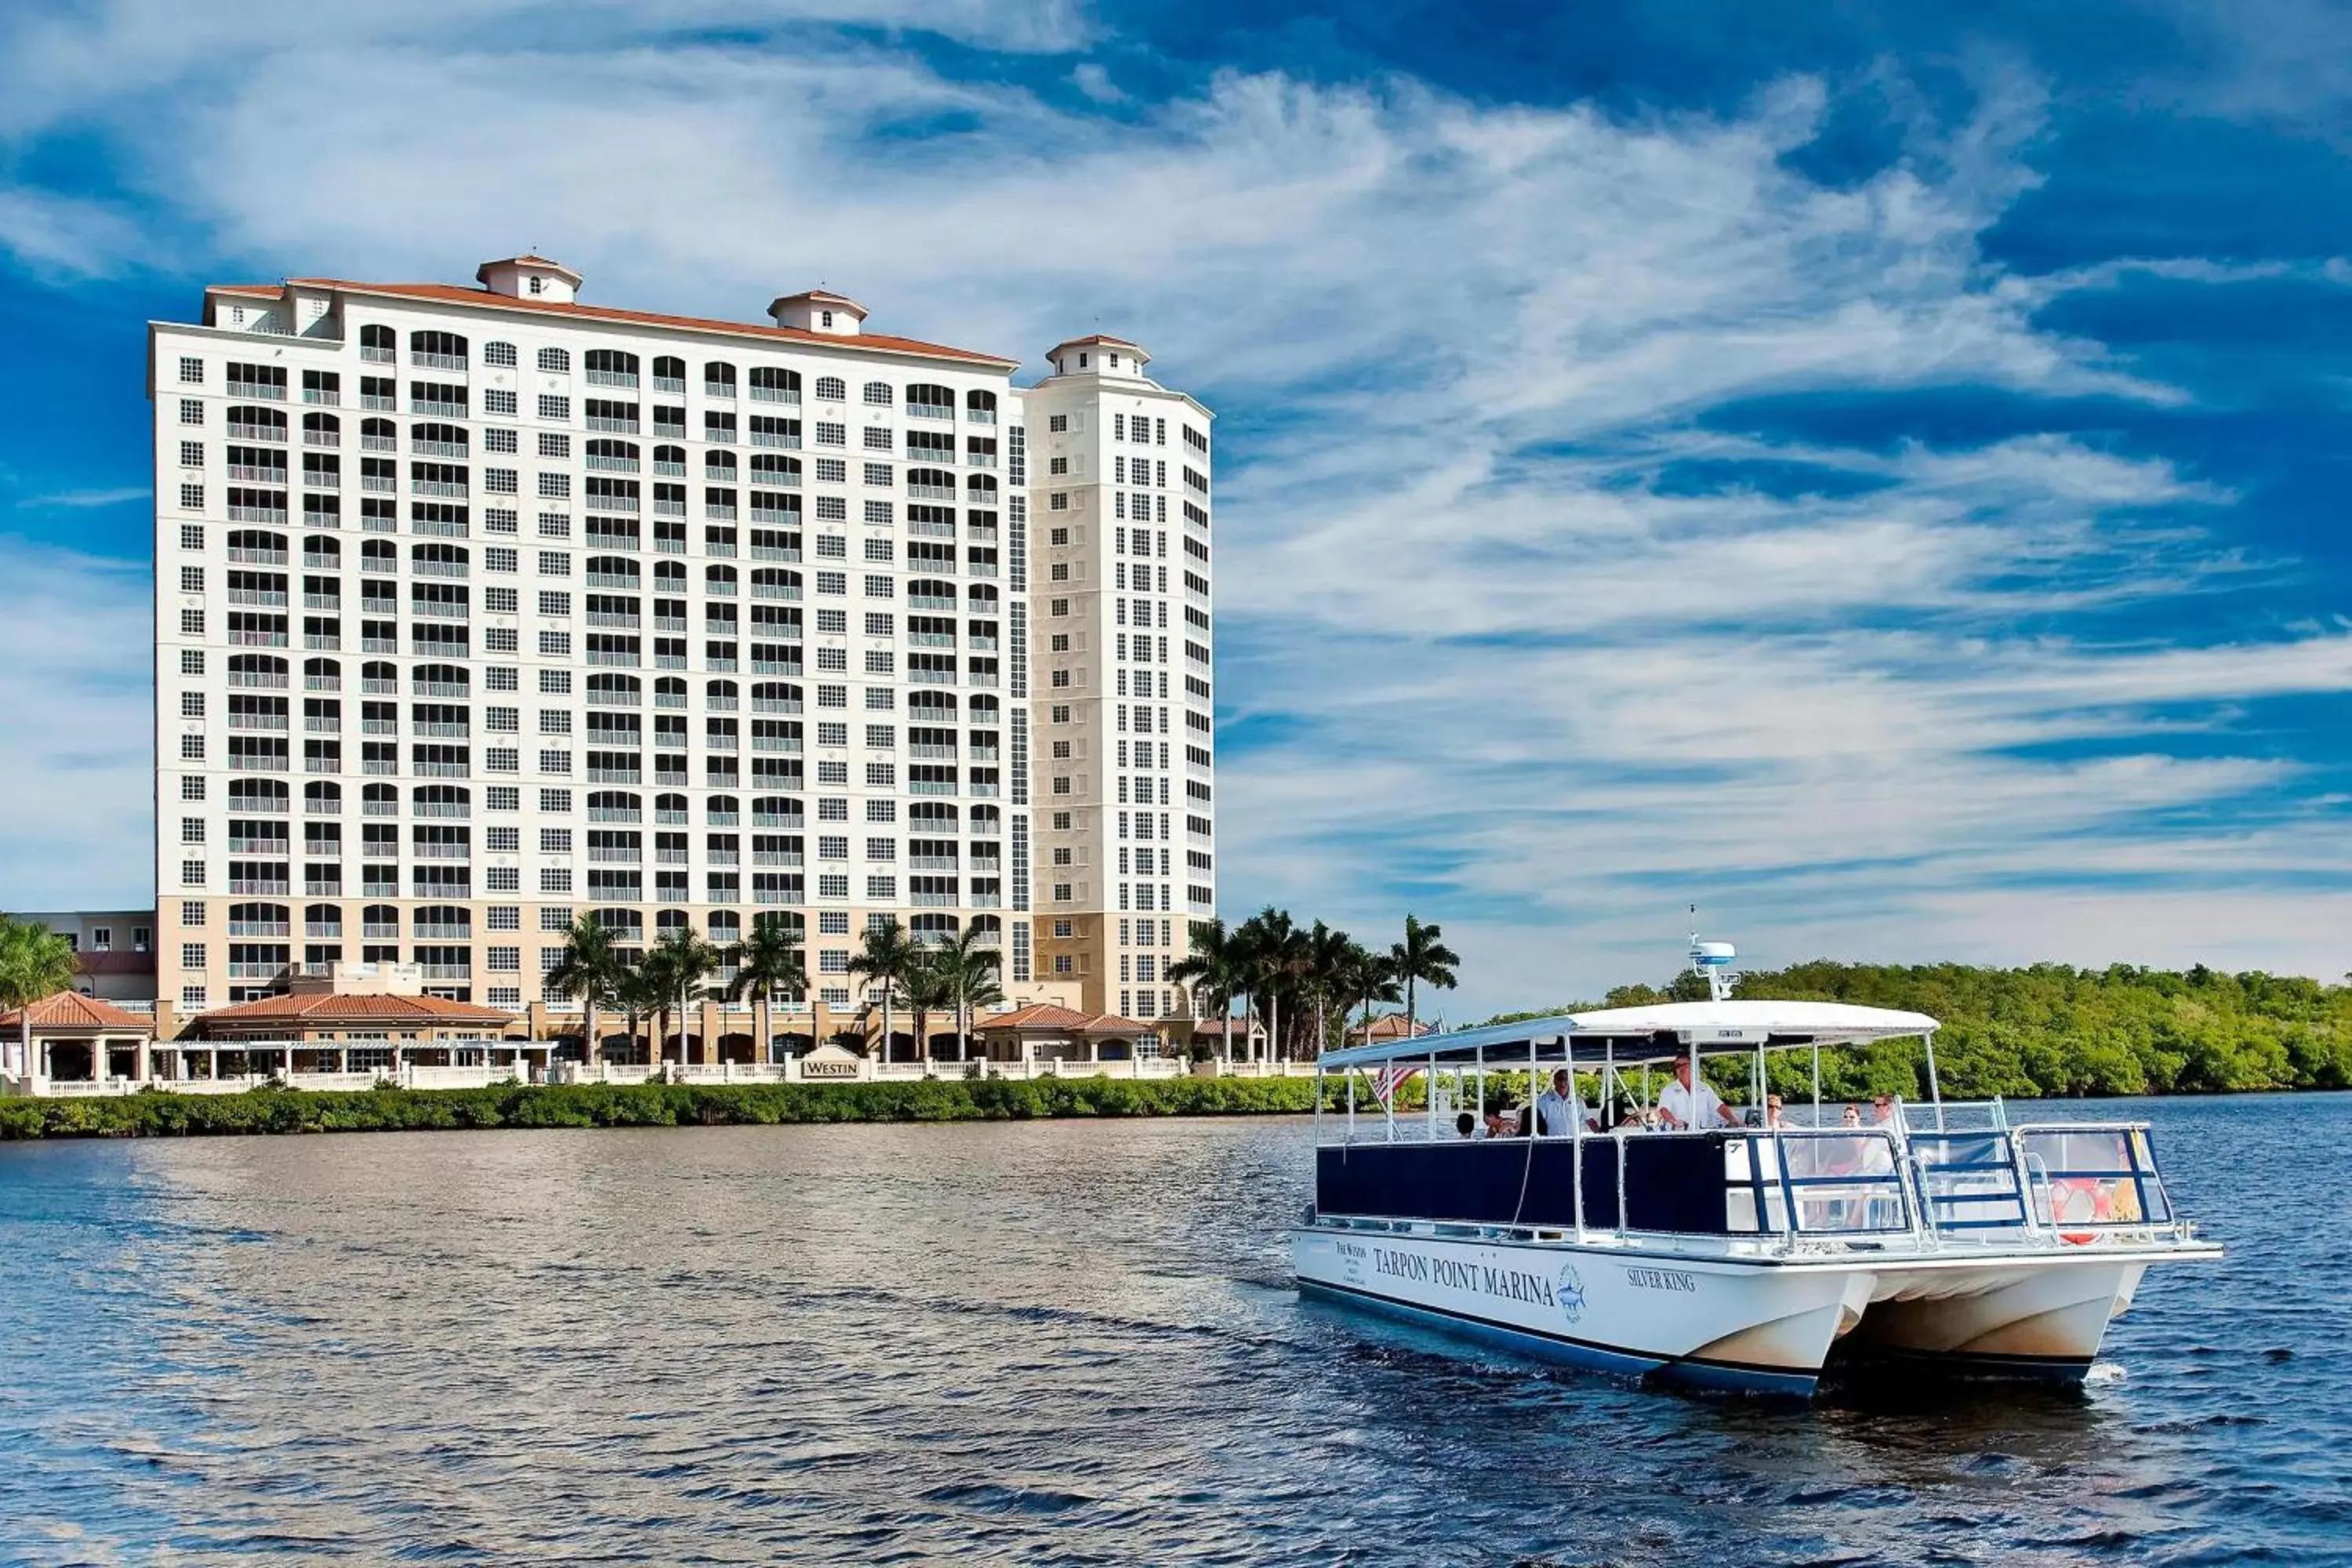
x: 1934, y: 1090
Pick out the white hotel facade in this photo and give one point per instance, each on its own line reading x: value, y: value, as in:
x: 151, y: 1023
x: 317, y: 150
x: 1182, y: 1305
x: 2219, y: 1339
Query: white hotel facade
x: 480, y: 609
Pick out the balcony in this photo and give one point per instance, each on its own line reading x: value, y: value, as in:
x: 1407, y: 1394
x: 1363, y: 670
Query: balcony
x: 433, y: 408
x: 377, y: 403
x: 615, y: 427
x: 320, y: 683
x: 725, y: 389
x: 446, y: 971
x: 257, y: 721
x: 598, y: 464
x: 444, y: 490
x: 441, y: 852
x: 273, y: 515
x: 932, y: 862
x: 258, y: 885
x: 257, y: 389
x: 438, y: 361
x: 613, y: 503
x: 929, y: 601
x: 238, y: 430
x: 776, y: 858
x: 979, y: 459
x: 434, y: 688
x: 424, y: 448
x: 379, y: 484
x: 241, y: 638
x: 435, y: 609
x: 379, y: 357
x: 440, y: 808
x: 439, y: 770
x: 616, y: 776
x: 443, y: 931
x: 611, y: 378
x: 256, y: 847
x: 319, y: 725
x: 315, y: 806
x: 792, y: 822
x: 256, y: 970
x: 253, y: 678
x: 445, y: 732
x: 240, y: 556
x: 328, y: 396
x: 676, y: 383
x: 775, y: 705
x: 933, y: 786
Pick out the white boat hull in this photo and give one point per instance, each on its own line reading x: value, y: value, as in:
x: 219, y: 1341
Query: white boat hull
x: 1753, y: 1324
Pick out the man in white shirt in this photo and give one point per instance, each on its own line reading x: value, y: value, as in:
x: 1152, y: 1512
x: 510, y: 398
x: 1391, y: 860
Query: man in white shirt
x: 1557, y: 1111
x: 1682, y: 1107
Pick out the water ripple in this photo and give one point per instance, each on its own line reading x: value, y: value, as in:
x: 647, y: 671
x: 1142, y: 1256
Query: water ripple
x: 1069, y: 1344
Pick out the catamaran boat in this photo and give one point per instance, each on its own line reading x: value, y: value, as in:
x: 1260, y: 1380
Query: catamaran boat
x: 1742, y: 1254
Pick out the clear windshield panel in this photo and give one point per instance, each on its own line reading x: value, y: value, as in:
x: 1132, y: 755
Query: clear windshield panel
x: 1833, y: 1184
x: 2093, y: 1176
x: 1970, y: 1181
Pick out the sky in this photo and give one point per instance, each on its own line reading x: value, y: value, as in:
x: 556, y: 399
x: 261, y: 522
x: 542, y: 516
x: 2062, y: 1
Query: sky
x: 1875, y: 472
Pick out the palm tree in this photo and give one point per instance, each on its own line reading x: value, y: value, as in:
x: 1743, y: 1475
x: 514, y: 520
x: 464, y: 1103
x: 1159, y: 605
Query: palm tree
x: 884, y: 962
x: 682, y: 960
x: 1369, y: 978
x: 930, y: 984
x: 1214, y: 970
x: 768, y: 964
x: 36, y: 964
x: 972, y: 963
x: 588, y: 968
x: 637, y: 990
x: 1421, y: 958
x: 1274, y: 952
x: 1326, y: 960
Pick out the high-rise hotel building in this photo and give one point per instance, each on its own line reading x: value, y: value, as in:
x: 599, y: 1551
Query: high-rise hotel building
x: 479, y: 609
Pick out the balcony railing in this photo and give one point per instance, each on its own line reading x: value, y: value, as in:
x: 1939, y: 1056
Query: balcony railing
x: 437, y: 361
x: 611, y: 378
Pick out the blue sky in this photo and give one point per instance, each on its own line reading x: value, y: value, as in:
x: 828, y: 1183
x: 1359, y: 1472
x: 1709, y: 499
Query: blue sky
x: 1877, y: 471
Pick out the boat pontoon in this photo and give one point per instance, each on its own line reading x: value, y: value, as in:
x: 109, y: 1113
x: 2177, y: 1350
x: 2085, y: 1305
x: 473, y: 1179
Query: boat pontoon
x: 1751, y: 1256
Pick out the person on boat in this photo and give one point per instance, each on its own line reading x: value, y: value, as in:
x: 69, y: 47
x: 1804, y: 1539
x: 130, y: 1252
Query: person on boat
x: 1467, y: 1125
x: 1851, y: 1116
x: 1503, y: 1120
x: 1774, y: 1115
x: 1882, y: 1110
x: 1681, y: 1107
x: 1558, y: 1110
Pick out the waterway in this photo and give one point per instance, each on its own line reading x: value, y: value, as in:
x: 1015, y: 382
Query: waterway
x: 1065, y: 1344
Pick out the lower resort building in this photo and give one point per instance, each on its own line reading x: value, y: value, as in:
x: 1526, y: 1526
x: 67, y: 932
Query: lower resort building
x: 480, y: 609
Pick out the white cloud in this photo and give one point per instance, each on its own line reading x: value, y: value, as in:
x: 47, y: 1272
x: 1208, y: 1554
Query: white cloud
x: 77, y: 727
x: 1526, y: 675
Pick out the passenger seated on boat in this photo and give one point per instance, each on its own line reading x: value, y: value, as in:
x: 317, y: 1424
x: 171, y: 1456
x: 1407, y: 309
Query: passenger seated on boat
x: 1774, y: 1115
x: 1557, y: 1109
x: 1851, y: 1116
x: 1467, y: 1125
x: 1503, y: 1120
x: 1681, y: 1107
x: 1882, y: 1110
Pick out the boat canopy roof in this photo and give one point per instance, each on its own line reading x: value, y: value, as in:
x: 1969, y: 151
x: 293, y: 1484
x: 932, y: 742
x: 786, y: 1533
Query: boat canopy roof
x: 1633, y: 1036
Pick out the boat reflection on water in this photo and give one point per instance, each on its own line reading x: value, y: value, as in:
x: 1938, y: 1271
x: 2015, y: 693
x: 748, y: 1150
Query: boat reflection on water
x: 1718, y: 1251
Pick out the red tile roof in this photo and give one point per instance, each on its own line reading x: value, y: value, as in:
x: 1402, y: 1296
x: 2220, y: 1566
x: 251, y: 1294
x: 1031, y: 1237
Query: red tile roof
x: 451, y: 294
x: 72, y: 1010
x: 1045, y: 1016
x: 328, y: 1010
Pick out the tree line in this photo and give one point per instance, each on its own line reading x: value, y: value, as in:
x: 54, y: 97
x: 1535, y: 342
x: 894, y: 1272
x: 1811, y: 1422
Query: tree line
x: 1301, y: 983
x: 955, y: 974
x: 2050, y: 1031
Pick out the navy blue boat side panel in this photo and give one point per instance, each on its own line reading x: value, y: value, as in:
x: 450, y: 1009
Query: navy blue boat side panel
x: 1671, y: 1183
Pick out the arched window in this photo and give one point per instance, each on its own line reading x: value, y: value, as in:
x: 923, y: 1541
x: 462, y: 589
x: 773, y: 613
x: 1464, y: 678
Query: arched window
x: 932, y: 927
x: 669, y: 691
x: 671, y: 370
x: 722, y: 807
x: 831, y: 389
x: 380, y: 676
x: 668, y: 921
x: 322, y: 674
x: 979, y: 408
x: 442, y: 800
x: 626, y: 925
x: 669, y: 576
x: 985, y: 819
x: 437, y: 350
x: 607, y: 689
x: 555, y: 362
x: 439, y: 440
x: 726, y: 928
x: 257, y: 547
x: 611, y: 367
x: 254, y: 422
x: 775, y: 697
x: 718, y: 691
x: 380, y: 920
x: 672, y: 803
x: 257, y: 794
x: 719, y: 579
x: 935, y: 480
x: 718, y: 378
x: 378, y: 342
x: 322, y: 920
x: 500, y: 354
x: 983, y: 710
x: 982, y: 599
x: 604, y: 452
x: 450, y: 558
x: 439, y: 681
x: 612, y: 572
x: 443, y: 920
x: 380, y: 799
x: 322, y: 798
x: 669, y: 459
x: 613, y: 806
x: 989, y: 929
x: 256, y: 670
x: 258, y: 920
x: 775, y: 583
x: 322, y: 549
x: 878, y: 395
x: 775, y: 811
x: 379, y: 555
x: 980, y: 488
x: 718, y: 466
x: 322, y: 430
x: 926, y: 400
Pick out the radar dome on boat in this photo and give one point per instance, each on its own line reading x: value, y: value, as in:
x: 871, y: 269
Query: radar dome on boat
x: 1713, y: 954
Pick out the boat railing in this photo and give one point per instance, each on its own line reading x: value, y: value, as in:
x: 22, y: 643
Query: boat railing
x: 2089, y: 1179
x: 1815, y: 1183
x: 1969, y: 1182
x: 1957, y: 1115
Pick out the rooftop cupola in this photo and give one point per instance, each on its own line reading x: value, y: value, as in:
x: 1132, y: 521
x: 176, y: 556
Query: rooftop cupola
x: 818, y: 311
x: 1098, y: 355
x: 529, y: 277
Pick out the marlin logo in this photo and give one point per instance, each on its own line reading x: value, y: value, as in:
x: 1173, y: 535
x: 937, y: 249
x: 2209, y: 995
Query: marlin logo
x: 1571, y: 1295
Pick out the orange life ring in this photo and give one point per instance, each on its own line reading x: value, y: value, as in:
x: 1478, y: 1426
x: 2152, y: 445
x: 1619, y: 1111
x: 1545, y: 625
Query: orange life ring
x: 2076, y: 1199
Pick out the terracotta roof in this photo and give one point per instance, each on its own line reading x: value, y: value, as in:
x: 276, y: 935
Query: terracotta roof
x: 72, y: 1010
x: 361, y: 1007
x: 1045, y: 1016
x: 451, y: 294
x: 114, y: 963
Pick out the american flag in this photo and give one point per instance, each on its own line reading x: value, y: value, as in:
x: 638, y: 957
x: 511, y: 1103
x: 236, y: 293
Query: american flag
x: 1386, y: 1081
